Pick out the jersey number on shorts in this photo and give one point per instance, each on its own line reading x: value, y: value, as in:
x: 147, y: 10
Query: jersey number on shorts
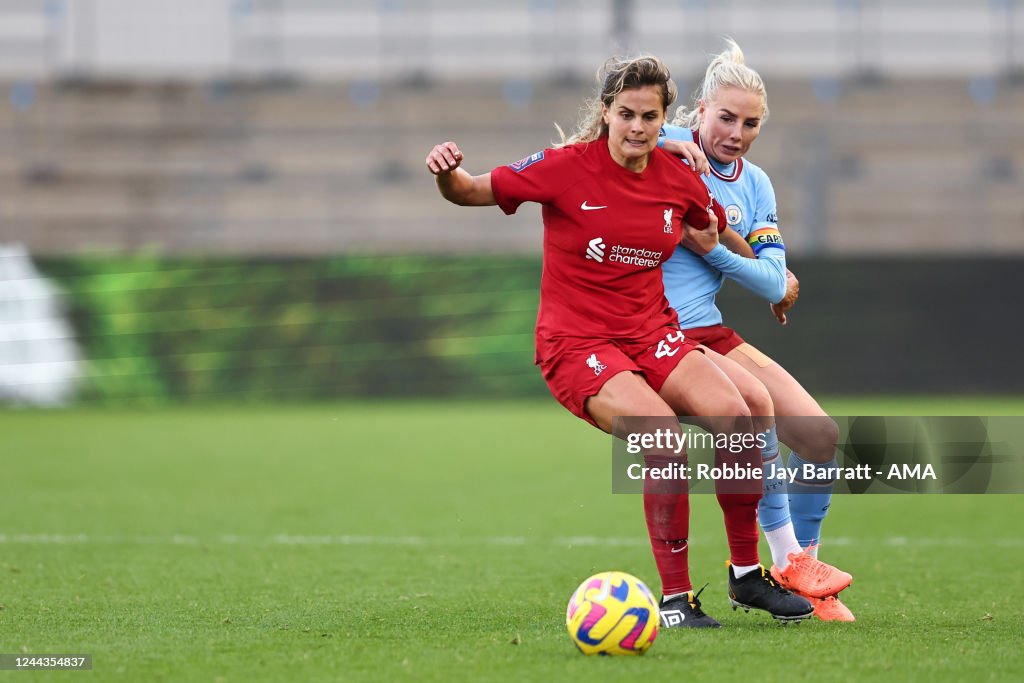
x: 663, y: 346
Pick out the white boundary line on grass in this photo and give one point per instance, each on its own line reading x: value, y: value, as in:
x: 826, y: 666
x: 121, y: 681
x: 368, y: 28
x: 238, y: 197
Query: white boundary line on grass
x: 425, y: 541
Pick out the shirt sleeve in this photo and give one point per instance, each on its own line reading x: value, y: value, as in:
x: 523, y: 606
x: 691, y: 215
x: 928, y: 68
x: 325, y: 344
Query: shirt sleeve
x: 697, y: 215
x: 536, y: 178
x: 764, y: 276
x: 670, y: 132
x: 764, y: 233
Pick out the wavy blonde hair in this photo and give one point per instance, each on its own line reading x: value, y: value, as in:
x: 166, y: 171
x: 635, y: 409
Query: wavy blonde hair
x: 614, y: 76
x: 727, y: 69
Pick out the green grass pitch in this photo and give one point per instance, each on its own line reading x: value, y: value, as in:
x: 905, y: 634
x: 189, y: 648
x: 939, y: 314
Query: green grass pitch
x: 440, y: 541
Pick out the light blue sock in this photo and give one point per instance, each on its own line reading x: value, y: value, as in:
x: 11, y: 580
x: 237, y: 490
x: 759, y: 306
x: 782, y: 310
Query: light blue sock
x: 773, y: 508
x: 810, y: 499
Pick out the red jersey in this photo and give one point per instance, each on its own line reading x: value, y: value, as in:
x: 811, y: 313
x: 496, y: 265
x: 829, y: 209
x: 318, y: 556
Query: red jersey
x: 607, y: 230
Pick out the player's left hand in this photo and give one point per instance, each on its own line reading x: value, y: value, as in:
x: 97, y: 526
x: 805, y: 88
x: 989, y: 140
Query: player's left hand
x: 792, y: 294
x: 691, y: 152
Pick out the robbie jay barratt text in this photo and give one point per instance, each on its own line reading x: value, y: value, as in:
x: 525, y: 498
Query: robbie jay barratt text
x: 703, y: 471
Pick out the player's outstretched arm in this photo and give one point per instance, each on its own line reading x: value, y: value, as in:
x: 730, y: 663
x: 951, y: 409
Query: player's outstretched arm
x: 764, y: 276
x: 454, y: 183
x: 735, y: 243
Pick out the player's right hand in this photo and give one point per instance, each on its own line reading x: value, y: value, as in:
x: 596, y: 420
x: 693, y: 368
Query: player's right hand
x: 792, y: 294
x: 444, y: 158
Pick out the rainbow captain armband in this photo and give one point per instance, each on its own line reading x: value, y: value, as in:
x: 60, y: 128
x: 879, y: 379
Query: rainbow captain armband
x: 762, y: 238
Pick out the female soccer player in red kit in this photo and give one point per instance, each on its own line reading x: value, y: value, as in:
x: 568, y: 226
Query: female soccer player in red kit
x: 607, y: 341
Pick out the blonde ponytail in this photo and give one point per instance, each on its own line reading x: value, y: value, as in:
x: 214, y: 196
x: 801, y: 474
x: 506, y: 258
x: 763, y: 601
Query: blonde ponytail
x: 727, y: 69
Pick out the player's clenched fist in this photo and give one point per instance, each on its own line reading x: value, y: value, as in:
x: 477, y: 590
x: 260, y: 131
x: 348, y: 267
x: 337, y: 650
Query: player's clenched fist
x: 444, y: 158
x: 453, y: 182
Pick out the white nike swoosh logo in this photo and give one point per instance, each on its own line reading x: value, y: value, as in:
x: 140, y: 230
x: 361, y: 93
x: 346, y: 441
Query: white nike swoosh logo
x: 677, y: 550
x: 591, y: 208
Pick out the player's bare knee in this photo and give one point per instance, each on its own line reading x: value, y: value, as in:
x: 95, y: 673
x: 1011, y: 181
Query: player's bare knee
x: 735, y: 414
x: 758, y: 400
x: 830, y: 433
x: 734, y: 407
x: 823, y: 438
x: 741, y: 409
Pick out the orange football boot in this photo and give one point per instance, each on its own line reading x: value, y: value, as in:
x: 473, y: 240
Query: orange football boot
x: 811, y: 577
x: 832, y: 609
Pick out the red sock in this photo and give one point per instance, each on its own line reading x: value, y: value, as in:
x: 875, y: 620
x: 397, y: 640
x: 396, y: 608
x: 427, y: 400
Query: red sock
x: 667, y: 509
x: 738, y: 500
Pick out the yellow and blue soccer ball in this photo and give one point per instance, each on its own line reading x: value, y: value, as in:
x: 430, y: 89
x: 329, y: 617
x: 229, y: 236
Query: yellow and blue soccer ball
x: 612, y: 613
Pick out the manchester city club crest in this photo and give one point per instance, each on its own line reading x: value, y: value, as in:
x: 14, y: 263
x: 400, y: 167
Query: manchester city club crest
x: 733, y: 214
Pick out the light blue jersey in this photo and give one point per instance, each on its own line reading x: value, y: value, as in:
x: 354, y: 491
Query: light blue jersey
x: 692, y: 282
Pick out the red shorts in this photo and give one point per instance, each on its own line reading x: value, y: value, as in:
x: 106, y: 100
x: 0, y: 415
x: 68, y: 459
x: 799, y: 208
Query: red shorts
x: 576, y: 369
x: 718, y: 338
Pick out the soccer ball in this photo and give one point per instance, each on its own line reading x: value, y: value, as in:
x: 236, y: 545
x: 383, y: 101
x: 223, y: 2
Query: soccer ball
x: 612, y: 613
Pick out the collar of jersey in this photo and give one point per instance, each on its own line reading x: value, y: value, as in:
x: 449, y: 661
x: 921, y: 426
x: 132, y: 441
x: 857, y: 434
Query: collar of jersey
x: 727, y: 172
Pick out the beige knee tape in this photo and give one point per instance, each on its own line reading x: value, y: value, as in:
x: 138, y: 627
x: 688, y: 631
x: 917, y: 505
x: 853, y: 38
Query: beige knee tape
x: 760, y: 360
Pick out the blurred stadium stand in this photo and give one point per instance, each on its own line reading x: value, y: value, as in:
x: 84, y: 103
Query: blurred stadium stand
x: 300, y: 168
x: 384, y: 39
x: 299, y: 126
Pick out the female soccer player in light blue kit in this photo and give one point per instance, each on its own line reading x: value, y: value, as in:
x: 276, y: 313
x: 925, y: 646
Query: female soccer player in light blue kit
x: 729, y: 110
